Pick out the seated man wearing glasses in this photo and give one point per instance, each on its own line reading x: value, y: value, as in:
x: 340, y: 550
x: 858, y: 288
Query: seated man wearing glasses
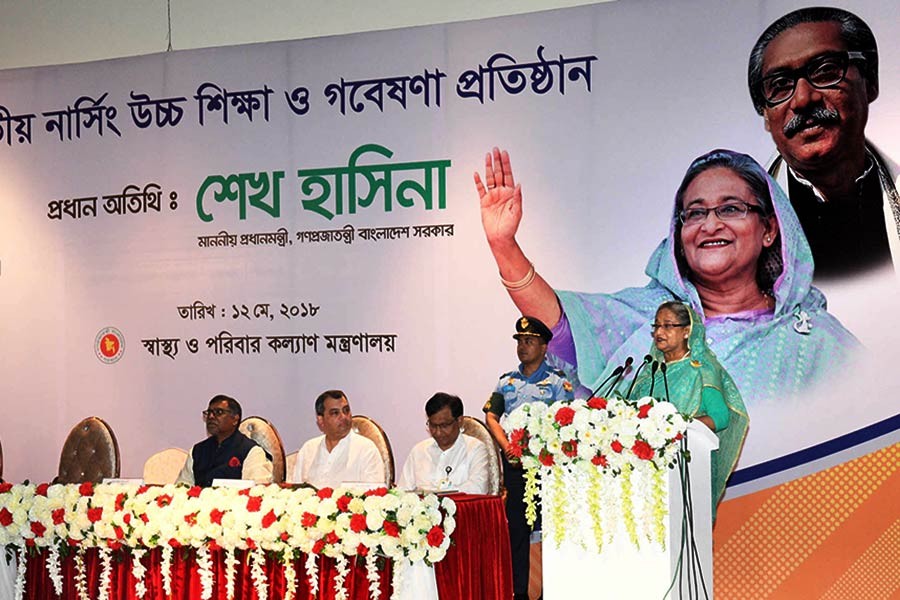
x: 446, y: 460
x: 812, y: 75
x: 226, y: 453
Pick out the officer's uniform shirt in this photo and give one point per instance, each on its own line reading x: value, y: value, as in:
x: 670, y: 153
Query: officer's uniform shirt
x: 514, y: 389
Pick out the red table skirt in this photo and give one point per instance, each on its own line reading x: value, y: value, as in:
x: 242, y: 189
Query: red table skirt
x: 477, y: 567
x: 186, y: 578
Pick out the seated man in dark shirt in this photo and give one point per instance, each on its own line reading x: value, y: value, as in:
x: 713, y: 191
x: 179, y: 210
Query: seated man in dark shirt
x: 226, y: 453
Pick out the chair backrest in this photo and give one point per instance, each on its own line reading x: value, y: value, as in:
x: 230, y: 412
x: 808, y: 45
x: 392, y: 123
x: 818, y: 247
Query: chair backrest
x: 264, y: 433
x: 478, y: 430
x: 90, y: 453
x: 290, y: 461
x: 164, y: 467
x: 366, y: 427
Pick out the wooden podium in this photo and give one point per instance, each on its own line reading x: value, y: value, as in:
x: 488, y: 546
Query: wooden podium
x: 575, y: 568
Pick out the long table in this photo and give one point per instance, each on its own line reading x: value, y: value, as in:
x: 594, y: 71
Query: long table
x: 476, y: 567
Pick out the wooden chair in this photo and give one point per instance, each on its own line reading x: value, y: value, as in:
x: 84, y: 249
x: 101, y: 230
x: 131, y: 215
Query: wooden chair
x: 367, y: 427
x: 477, y: 429
x: 90, y: 453
x: 164, y: 467
x: 290, y: 461
x: 264, y: 433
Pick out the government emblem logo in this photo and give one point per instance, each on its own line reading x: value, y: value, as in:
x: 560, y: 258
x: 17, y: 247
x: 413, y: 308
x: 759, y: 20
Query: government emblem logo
x: 109, y: 345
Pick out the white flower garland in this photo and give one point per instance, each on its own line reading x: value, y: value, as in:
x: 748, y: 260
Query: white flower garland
x: 343, y: 524
x: 340, y: 564
x: 166, y: 568
x: 53, y: 569
x: 258, y: 573
x: 373, y: 576
x: 105, y: 573
x: 204, y: 570
x: 80, y: 576
x: 21, y: 565
x: 588, y: 507
x: 139, y: 572
x: 397, y: 577
x: 312, y: 573
x: 230, y: 563
x: 290, y: 576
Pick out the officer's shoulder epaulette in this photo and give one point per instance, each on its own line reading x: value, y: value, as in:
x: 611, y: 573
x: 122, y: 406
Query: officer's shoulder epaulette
x: 509, y: 374
x: 558, y: 372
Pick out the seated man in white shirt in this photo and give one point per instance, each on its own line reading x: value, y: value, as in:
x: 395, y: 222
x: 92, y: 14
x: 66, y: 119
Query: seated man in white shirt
x: 226, y: 453
x: 340, y: 455
x: 446, y: 460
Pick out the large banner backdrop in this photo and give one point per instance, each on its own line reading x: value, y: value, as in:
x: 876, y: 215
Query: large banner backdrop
x: 274, y: 220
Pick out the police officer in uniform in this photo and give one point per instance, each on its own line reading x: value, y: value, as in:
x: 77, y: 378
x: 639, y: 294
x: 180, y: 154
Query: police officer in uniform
x: 533, y: 381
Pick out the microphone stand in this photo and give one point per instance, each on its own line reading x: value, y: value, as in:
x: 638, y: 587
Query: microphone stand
x: 647, y: 360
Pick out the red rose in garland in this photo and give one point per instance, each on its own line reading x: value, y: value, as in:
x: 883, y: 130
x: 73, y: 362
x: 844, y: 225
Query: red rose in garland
x: 642, y: 450
x: 6, y: 517
x: 358, y: 523
x: 565, y: 415
x: 546, y: 458
x: 254, y: 503
x: 391, y: 529
x: 597, y: 403
x: 269, y: 519
x: 436, y: 536
x: 600, y: 460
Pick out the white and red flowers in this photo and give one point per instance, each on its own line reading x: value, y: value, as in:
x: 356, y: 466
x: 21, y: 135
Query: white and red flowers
x: 605, y: 433
x: 598, y: 459
x: 337, y: 523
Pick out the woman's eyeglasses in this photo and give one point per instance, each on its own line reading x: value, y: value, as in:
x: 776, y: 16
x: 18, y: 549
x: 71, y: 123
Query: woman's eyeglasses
x: 667, y: 326
x: 730, y: 211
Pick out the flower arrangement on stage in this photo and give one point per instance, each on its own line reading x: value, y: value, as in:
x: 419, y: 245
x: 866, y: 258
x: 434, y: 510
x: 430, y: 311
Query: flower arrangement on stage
x: 339, y: 523
x: 597, y: 462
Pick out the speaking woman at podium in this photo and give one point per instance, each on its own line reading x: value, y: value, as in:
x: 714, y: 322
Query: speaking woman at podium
x: 690, y: 377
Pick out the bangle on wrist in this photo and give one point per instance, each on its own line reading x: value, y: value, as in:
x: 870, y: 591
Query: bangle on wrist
x: 515, y: 286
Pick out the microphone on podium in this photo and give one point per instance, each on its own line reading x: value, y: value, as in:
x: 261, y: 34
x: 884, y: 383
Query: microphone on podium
x: 662, y: 369
x: 653, y: 369
x: 617, y: 374
x: 647, y: 360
